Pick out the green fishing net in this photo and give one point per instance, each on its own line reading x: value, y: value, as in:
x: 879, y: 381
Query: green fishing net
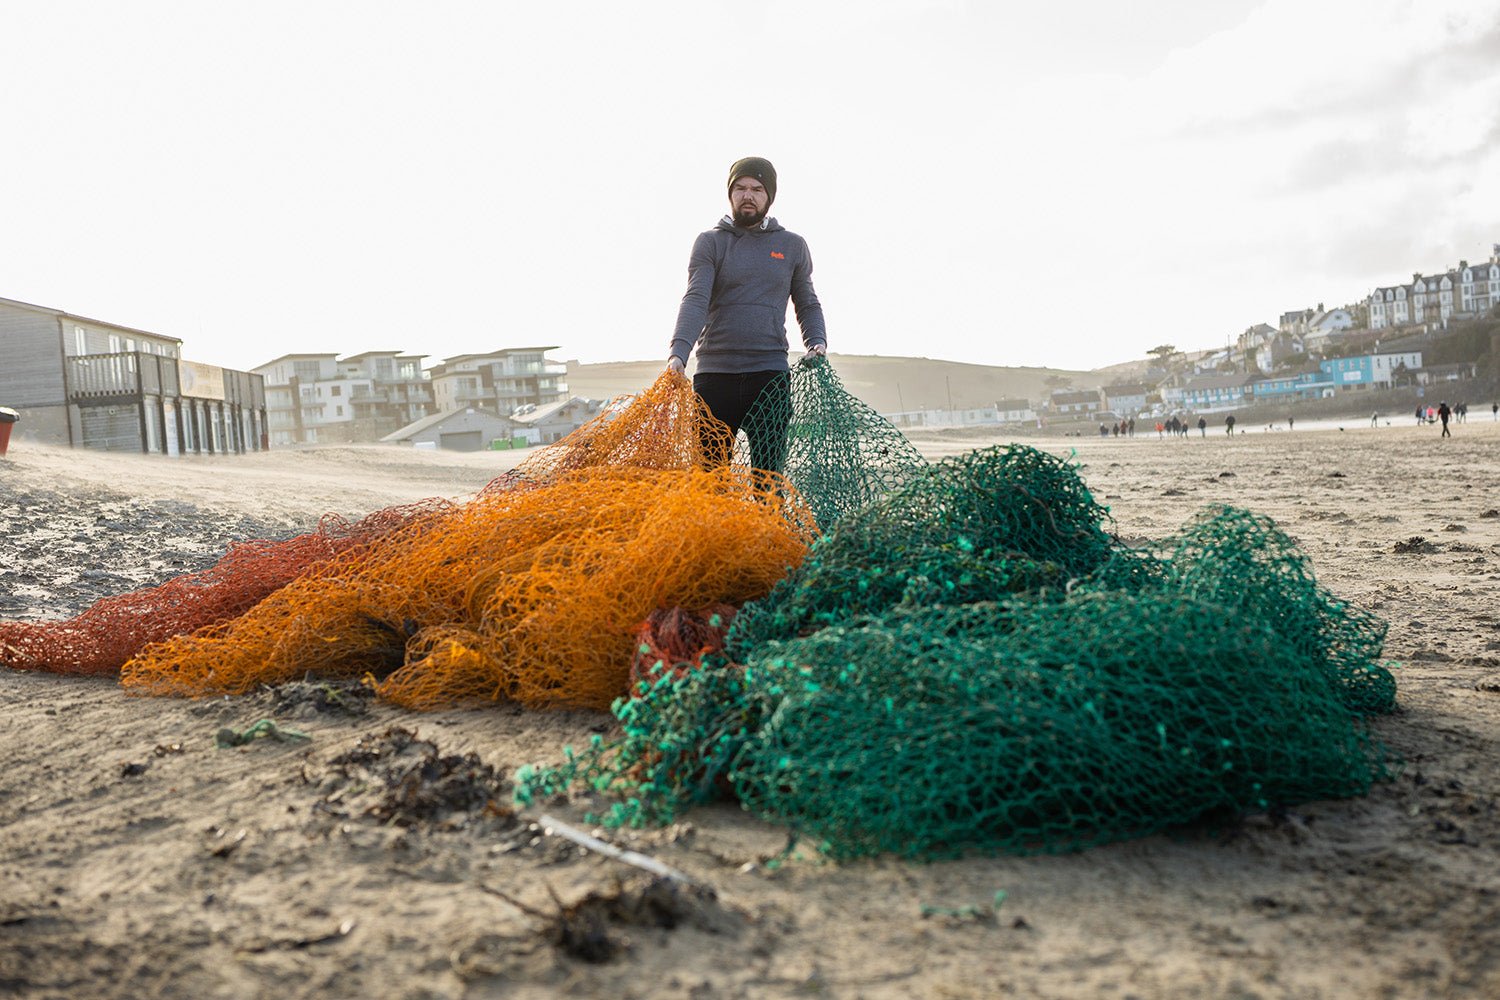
x: 1243, y: 563
x: 972, y: 663
x: 1040, y: 726
x: 973, y: 527
x: 839, y: 453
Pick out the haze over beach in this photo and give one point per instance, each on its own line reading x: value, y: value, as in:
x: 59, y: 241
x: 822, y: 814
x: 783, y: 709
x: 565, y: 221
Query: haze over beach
x: 1062, y: 186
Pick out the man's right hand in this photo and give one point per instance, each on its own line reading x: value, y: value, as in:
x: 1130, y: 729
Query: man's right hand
x: 676, y: 364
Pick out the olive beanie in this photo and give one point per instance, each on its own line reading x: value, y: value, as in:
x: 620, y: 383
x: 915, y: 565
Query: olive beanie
x: 758, y: 167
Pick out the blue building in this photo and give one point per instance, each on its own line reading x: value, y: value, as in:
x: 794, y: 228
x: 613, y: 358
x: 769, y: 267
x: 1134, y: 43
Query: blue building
x: 1208, y: 393
x: 1350, y: 373
x: 1308, y: 383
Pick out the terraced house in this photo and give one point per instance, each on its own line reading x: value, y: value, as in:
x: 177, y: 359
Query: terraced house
x: 1464, y: 291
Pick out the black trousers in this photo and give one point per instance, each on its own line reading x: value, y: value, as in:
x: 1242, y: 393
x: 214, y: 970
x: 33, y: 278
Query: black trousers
x: 730, y: 396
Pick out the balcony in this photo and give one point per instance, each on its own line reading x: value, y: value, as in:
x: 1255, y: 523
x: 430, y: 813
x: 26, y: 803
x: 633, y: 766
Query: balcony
x: 473, y: 398
x: 92, y: 376
x: 512, y: 369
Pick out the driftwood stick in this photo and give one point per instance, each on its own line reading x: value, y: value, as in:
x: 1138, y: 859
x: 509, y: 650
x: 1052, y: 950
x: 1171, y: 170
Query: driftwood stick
x: 641, y: 861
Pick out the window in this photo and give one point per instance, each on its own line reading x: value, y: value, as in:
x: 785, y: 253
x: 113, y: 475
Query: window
x: 80, y: 341
x: 337, y: 390
x: 338, y: 411
x: 114, y: 343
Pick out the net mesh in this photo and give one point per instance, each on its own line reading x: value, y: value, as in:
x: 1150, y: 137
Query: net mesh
x: 1039, y: 725
x: 972, y: 663
x: 1243, y: 563
x: 839, y: 453
x: 971, y: 527
x: 660, y: 430
x: 531, y: 592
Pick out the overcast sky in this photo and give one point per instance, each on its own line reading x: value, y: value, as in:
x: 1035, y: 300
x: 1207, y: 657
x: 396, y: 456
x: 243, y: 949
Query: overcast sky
x: 1019, y: 184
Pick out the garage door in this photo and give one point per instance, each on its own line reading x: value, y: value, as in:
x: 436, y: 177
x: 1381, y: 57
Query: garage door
x: 461, y: 441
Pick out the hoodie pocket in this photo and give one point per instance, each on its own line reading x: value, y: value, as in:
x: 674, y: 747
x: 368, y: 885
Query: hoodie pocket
x: 744, y: 326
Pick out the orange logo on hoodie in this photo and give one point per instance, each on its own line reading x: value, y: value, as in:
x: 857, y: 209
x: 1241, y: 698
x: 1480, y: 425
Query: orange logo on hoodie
x: 778, y: 255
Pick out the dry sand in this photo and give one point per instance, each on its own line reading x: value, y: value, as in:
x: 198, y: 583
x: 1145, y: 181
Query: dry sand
x: 136, y: 859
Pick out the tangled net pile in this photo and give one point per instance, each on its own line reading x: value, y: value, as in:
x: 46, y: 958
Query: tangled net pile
x: 532, y: 591
x: 886, y: 655
x: 665, y: 429
x: 972, y: 663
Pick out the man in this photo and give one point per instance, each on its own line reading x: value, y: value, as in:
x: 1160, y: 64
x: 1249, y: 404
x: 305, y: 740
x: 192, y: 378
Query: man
x: 740, y: 276
x: 1443, y: 414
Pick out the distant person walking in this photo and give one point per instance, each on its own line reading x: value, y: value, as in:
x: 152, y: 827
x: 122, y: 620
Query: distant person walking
x: 1419, y: 414
x: 1290, y: 421
x: 1203, y: 427
x: 1462, y: 409
x: 1495, y: 411
x: 1443, y: 414
x: 1229, y: 424
x: 1375, y: 419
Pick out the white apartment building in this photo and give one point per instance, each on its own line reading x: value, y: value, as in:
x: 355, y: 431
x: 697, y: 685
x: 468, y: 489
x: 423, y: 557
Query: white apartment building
x: 320, y: 399
x: 500, y: 382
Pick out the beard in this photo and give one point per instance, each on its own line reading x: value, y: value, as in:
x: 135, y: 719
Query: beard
x: 747, y: 216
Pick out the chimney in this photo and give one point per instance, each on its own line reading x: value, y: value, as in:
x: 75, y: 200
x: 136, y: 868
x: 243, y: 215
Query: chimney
x: 1462, y: 264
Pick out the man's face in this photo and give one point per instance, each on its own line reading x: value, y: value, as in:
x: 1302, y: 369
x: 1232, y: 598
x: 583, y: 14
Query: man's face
x: 748, y: 201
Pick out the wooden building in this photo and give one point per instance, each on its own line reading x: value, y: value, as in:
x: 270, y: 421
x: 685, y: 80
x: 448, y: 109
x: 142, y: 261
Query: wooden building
x: 91, y: 384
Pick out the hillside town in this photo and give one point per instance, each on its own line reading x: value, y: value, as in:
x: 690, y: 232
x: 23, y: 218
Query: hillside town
x: 94, y: 384
x: 1429, y: 333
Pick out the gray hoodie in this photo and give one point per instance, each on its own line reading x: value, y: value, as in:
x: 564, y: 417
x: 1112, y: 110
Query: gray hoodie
x: 739, y: 281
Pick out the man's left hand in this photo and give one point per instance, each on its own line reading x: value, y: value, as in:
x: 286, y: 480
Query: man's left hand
x: 817, y: 351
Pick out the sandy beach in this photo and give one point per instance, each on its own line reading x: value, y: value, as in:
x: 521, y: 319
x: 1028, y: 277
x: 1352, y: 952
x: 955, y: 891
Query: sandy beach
x: 138, y: 858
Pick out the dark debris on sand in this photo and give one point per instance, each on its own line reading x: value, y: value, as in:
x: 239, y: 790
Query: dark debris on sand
x: 306, y: 699
x: 399, y: 779
x: 593, y: 929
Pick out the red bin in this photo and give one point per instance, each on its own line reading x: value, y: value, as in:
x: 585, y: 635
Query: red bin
x: 8, y: 418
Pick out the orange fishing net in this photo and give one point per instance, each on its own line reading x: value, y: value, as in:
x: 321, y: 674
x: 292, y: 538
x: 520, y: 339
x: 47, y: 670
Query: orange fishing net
x: 116, y: 628
x: 532, y: 594
x: 533, y: 590
x: 665, y: 427
x: 660, y: 430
